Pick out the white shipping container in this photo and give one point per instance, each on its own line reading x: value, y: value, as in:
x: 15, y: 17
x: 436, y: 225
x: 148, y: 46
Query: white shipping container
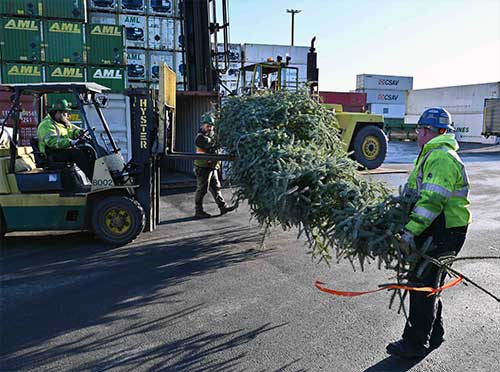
x: 383, y: 82
x: 117, y: 114
x: 155, y: 58
x: 136, y: 64
x: 468, y: 127
x: 161, y: 33
x: 179, y: 67
x: 393, y: 97
x: 234, y: 52
x: 133, y: 6
x: 255, y: 53
x: 466, y: 99
x: 103, y: 18
x: 389, y: 111
x: 102, y: 4
x: 135, y: 30
x: 165, y: 8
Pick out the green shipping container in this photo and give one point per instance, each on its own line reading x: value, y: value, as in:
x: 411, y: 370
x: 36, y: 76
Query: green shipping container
x: 64, y: 42
x: 20, y: 39
x: 13, y: 73
x: 65, y: 74
x: 105, y: 44
x: 65, y: 9
x: 111, y: 77
x: 29, y: 8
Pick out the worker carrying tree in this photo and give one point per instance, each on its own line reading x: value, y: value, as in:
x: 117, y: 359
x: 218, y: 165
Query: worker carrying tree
x: 206, y: 171
x: 439, y: 180
x: 58, y: 138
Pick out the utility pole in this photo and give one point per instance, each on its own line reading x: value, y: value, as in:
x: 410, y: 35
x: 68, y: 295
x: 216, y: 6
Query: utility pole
x: 293, y: 12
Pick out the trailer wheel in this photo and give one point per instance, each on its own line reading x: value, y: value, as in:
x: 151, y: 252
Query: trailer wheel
x: 370, y: 147
x: 118, y: 220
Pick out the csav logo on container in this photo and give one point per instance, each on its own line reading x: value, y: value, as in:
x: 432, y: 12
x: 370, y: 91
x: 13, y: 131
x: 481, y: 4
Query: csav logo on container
x: 106, y: 30
x: 388, y: 97
x: 27, y: 70
x: 105, y: 73
x: 21, y: 24
x: 388, y: 82
x: 65, y: 27
x: 73, y: 72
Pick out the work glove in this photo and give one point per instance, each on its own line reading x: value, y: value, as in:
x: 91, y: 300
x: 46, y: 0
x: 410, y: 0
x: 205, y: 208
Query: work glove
x: 407, y: 242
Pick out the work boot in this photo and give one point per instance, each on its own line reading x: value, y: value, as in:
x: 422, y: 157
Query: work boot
x: 225, y: 209
x: 202, y: 214
x: 405, y: 350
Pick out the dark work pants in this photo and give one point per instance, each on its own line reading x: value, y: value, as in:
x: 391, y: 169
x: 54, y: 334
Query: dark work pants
x: 424, y: 327
x: 73, y: 155
x: 207, y: 179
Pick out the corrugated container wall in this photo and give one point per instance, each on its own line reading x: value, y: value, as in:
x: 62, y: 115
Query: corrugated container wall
x: 29, y: 116
x: 22, y: 73
x: 105, y: 44
x: 383, y: 82
x: 65, y: 9
x: 111, y: 77
x: 385, y: 96
x: 465, y: 104
x: 166, y: 8
x: 389, y: 111
x: 64, y: 73
x: 64, y: 42
x: 26, y: 8
x: 21, y: 39
x: 189, y: 110
x: 136, y: 64
x: 491, y: 120
x: 350, y: 101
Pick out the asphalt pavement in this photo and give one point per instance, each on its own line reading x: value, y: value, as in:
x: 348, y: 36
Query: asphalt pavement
x: 206, y: 295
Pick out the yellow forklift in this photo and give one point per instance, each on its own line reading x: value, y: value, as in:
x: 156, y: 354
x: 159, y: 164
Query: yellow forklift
x: 362, y: 133
x: 119, y: 202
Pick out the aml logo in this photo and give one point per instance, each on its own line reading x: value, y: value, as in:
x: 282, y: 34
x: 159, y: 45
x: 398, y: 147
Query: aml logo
x: 21, y: 24
x: 24, y: 71
x: 388, y: 82
x: 106, y: 30
x: 104, y: 73
x: 69, y: 28
x: 73, y: 72
x: 388, y: 97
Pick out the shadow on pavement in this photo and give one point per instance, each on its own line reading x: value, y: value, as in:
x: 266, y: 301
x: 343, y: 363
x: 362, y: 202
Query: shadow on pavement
x: 77, y: 286
x: 392, y: 364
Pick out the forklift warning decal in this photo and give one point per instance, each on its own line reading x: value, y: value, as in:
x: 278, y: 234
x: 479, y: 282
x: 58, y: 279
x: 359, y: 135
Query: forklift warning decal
x: 144, y: 124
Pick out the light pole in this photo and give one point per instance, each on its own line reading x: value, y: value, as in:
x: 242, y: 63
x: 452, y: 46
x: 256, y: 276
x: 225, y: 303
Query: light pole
x: 293, y: 11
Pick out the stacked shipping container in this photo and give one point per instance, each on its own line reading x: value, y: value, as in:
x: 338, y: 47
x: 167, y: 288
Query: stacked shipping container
x: 386, y: 95
x: 465, y: 104
x: 153, y: 34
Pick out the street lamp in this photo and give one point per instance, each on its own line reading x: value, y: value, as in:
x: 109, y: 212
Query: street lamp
x: 293, y: 12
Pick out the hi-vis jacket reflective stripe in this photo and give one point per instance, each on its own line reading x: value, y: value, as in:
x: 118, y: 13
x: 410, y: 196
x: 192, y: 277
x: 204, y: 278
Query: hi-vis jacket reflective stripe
x: 55, y: 135
x: 441, y: 183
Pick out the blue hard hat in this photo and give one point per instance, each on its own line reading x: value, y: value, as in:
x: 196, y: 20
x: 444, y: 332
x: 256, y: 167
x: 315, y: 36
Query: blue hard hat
x: 436, y: 117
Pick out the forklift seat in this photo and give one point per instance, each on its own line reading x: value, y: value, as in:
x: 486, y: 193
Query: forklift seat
x: 42, y: 160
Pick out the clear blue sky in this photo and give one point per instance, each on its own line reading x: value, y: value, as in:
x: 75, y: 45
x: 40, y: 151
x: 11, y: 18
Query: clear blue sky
x: 438, y: 42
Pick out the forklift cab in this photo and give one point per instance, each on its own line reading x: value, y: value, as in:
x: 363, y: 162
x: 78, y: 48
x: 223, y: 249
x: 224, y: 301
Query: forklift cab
x: 261, y: 77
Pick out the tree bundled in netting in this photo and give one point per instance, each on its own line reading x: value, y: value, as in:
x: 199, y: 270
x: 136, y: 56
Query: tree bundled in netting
x: 292, y: 170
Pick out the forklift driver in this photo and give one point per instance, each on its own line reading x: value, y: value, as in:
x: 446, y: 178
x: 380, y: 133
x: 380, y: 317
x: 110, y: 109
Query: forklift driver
x: 58, y: 138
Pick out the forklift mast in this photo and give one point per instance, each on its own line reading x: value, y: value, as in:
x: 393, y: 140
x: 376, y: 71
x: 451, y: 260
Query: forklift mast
x: 200, y: 34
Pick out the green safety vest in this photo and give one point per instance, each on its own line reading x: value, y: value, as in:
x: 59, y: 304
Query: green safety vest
x: 55, y: 135
x: 440, y: 181
x: 205, y: 145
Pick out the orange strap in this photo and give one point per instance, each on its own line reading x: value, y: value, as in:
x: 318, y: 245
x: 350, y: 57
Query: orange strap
x: 432, y: 291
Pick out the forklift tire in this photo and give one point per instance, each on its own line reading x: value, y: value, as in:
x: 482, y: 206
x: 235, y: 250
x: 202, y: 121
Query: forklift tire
x: 370, y: 147
x: 118, y: 220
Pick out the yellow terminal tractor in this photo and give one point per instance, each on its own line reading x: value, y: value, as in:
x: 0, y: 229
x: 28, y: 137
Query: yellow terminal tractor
x: 117, y: 203
x: 362, y: 133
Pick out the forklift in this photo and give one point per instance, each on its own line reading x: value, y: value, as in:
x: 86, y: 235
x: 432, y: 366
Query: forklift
x: 362, y: 133
x: 120, y: 201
